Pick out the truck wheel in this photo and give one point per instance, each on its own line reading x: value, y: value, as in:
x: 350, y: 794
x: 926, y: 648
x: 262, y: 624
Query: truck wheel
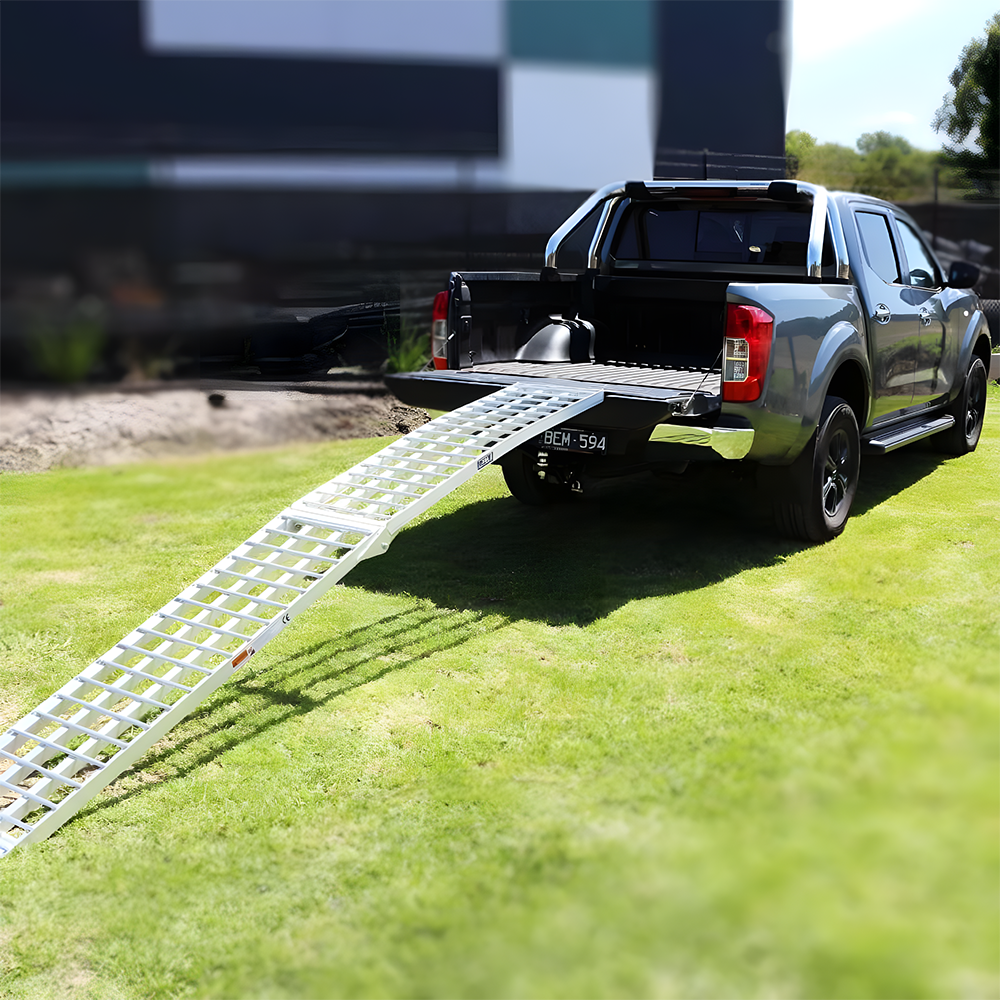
x: 522, y: 480
x: 968, y: 410
x: 813, y: 497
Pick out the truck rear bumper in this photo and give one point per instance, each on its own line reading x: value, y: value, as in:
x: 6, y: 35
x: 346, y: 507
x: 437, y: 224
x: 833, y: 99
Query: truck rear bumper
x: 727, y: 442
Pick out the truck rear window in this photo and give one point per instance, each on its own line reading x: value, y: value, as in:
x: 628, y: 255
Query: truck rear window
x: 719, y: 234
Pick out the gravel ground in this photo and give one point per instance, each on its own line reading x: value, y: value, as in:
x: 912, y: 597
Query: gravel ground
x: 41, y: 430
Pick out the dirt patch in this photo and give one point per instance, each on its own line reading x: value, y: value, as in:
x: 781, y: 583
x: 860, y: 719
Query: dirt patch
x: 39, y: 431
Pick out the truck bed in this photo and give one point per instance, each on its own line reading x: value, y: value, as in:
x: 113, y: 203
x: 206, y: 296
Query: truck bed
x: 635, y: 395
x: 704, y: 380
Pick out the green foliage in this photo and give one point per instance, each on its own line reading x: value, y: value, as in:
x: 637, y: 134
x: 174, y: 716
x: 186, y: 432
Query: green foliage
x: 798, y: 145
x: 971, y: 111
x: 826, y: 163
x: 884, y: 165
x: 65, y: 342
x: 633, y: 746
x: 407, y: 345
x: 891, y: 168
x: 872, y: 142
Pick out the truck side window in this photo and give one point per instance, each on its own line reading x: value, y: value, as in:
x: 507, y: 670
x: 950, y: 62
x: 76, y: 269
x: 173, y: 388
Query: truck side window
x: 574, y: 250
x: 923, y: 273
x: 877, y: 239
x: 627, y: 247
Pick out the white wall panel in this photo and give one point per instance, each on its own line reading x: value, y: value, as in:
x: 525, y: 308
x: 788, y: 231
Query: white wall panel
x: 578, y: 128
x: 428, y: 30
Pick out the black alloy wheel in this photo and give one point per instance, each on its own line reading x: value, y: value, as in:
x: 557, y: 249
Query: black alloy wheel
x: 812, y: 497
x: 969, y: 410
x: 836, y: 474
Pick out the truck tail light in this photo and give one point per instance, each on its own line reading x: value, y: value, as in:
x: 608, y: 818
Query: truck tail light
x: 439, y: 330
x: 749, y: 330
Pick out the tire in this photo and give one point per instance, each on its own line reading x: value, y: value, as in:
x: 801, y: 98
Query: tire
x: 968, y: 410
x: 522, y: 480
x: 813, y: 496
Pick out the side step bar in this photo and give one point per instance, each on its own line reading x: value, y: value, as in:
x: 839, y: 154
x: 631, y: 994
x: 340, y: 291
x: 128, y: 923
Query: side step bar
x: 61, y: 754
x: 895, y: 437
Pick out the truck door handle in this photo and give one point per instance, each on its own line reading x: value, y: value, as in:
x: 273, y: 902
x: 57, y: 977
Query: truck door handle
x: 882, y: 314
x: 925, y: 317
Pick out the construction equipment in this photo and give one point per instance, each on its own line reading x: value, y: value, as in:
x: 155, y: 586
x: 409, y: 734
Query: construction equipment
x: 88, y: 732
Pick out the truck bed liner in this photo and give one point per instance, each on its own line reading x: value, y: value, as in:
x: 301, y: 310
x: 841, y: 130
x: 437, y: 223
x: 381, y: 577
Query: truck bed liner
x: 609, y: 373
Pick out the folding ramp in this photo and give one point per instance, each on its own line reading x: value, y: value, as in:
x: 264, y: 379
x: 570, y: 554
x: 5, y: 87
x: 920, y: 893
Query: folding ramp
x: 76, y: 742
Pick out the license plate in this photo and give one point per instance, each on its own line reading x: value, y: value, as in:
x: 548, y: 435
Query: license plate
x: 568, y: 439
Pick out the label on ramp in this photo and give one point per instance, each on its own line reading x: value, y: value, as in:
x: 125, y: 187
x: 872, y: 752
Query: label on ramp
x: 262, y: 637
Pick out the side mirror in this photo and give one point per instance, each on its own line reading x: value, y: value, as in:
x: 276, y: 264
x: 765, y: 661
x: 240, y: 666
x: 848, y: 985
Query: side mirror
x: 920, y: 278
x: 962, y: 274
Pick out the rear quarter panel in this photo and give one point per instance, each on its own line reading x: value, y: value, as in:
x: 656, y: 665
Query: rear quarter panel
x: 817, y: 328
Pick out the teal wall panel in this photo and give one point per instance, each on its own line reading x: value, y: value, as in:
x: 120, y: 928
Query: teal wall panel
x: 619, y: 33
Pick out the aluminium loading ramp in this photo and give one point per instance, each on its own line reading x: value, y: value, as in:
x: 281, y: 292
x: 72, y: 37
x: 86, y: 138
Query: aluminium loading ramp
x: 60, y: 755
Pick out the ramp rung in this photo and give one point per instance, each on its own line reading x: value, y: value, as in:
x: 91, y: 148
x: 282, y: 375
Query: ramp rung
x: 369, y: 485
x: 458, y: 450
x: 142, y: 675
x: 287, y: 550
x: 246, y: 597
x: 23, y: 762
x: 243, y: 636
x: 150, y: 654
x: 356, y: 509
x: 418, y: 484
x: 299, y: 518
x: 174, y: 641
x: 326, y: 505
x: 41, y: 741
x: 401, y: 482
x: 357, y: 526
x: 287, y: 570
x: 92, y: 733
x: 27, y: 793
x: 227, y: 611
x: 408, y: 456
x: 122, y: 693
x: 100, y: 710
x: 332, y: 543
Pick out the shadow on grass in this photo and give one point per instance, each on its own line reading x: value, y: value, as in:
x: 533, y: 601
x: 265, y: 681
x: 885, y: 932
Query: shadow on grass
x: 251, y: 704
x: 501, y: 561
x: 644, y: 537
x: 885, y: 476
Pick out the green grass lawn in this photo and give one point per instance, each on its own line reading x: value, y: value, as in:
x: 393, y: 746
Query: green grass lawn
x: 636, y: 746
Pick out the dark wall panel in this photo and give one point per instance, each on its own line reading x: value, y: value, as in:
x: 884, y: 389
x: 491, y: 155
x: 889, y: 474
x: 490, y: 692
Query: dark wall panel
x: 76, y: 80
x: 721, y: 83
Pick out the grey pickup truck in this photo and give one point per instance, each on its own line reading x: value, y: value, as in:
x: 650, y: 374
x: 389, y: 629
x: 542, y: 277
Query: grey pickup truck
x: 772, y: 323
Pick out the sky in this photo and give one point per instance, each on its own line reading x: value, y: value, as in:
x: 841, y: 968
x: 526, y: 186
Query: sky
x: 865, y: 65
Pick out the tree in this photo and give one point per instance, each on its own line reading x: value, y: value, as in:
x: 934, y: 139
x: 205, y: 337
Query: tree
x: 891, y: 168
x: 871, y: 142
x: 883, y: 165
x: 798, y: 145
x: 970, y: 111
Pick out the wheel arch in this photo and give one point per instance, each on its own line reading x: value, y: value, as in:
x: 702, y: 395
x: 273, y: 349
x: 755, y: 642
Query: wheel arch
x: 982, y: 350
x: 851, y: 385
x: 839, y: 369
x: 975, y: 343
